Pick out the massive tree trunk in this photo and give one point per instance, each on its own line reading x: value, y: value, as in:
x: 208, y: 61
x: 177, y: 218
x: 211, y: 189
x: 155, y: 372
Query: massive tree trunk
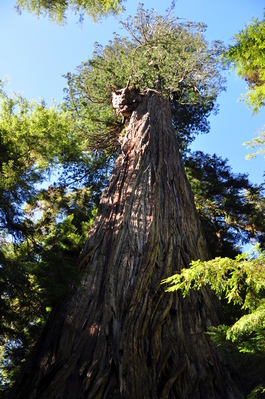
x: 121, y: 335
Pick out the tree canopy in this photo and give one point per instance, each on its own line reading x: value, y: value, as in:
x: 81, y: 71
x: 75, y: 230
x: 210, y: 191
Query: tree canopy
x: 158, y: 53
x: 56, y: 9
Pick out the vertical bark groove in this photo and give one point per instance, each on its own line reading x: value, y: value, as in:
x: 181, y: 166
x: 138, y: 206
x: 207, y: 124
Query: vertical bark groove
x: 121, y: 336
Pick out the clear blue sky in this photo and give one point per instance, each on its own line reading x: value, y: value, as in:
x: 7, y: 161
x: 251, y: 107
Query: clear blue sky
x: 36, y: 53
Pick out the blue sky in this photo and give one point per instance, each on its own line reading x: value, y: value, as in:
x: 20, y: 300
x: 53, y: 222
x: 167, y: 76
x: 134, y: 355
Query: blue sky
x: 36, y: 53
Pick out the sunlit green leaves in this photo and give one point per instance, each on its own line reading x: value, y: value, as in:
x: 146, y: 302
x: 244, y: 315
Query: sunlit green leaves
x: 43, y: 229
x: 240, y: 281
x: 247, y: 56
x: 33, y: 140
x: 259, y: 142
x: 56, y: 9
x: 174, y: 52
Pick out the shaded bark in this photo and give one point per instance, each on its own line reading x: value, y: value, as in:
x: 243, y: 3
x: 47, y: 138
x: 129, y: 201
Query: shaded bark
x: 121, y: 335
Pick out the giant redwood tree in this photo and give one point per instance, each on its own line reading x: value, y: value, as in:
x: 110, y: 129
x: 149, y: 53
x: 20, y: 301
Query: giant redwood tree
x: 120, y: 335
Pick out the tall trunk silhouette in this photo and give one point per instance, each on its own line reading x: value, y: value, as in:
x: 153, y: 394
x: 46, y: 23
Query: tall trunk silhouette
x: 121, y: 335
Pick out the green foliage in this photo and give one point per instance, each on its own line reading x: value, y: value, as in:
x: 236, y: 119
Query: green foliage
x: 19, y: 302
x: 39, y: 271
x: 31, y: 138
x: 158, y: 53
x: 56, y: 9
x: 240, y: 281
x: 42, y: 230
x: 257, y: 392
x: 247, y: 56
x: 230, y: 207
x: 258, y: 141
x: 62, y: 221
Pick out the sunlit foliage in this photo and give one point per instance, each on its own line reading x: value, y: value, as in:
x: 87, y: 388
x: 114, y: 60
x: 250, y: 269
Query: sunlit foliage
x: 240, y: 281
x: 42, y: 229
x: 247, y: 57
x: 56, y: 9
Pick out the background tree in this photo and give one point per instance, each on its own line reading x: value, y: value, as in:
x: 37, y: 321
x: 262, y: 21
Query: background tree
x: 230, y: 207
x: 38, y: 225
x: 256, y: 142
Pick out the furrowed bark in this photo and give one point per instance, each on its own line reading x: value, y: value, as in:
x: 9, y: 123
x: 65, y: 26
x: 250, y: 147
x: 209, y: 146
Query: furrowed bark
x: 121, y: 335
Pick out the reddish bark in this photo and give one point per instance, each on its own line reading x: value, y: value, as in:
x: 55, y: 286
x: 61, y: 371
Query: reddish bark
x: 121, y: 335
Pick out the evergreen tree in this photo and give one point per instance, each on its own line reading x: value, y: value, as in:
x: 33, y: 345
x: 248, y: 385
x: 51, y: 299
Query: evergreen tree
x: 37, y: 225
x: 119, y: 335
x: 81, y: 141
x: 230, y: 207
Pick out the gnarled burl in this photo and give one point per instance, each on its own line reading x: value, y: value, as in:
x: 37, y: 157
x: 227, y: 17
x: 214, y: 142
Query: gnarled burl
x: 121, y: 335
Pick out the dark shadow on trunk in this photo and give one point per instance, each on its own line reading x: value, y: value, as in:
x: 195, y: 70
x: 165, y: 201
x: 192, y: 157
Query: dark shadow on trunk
x: 121, y: 335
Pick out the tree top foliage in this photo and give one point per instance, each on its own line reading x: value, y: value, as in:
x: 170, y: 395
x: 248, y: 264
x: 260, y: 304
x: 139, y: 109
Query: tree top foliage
x: 247, y: 56
x: 159, y: 53
x: 56, y: 9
